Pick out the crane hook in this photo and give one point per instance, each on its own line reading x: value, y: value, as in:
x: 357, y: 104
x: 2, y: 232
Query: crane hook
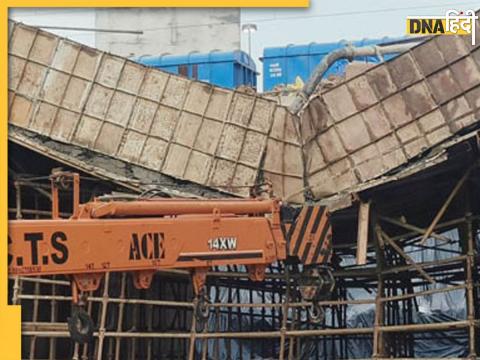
x: 80, y: 325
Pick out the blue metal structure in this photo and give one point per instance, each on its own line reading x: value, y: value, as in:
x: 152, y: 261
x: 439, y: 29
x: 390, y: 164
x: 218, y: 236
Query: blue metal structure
x: 282, y: 65
x: 227, y: 69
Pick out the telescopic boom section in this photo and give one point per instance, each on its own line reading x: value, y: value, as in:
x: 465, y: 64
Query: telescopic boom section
x: 168, y: 207
x: 148, y: 235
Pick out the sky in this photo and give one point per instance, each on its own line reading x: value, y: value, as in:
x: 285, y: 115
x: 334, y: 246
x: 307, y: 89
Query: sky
x: 323, y: 21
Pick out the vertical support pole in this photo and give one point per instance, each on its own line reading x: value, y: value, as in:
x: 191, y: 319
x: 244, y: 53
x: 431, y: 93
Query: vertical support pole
x: 205, y: 346
x: 55, y: 207
x: 193, y: 330
x: 285, y: 306
x: 264, y: 318
x: 205, y: 341
x: 76, y: 195
x: 149, y: 310
x: 17, y: 289
x: 251, y: 315
x: 291, y: 344
x: 103, y: 317
x: 469, y: 263
x: 378, y: 338
x: 52, y: 343
x: 216, y: 350
x: 239, y: 319
x: 53, y: 319
x: 469, y: 269
x: 17, y: 285
x: 133, y: 342
x: 228, y: 342
x: 33, y: 340
x: 362, y: 232
x: 467, y: 244
x: 18, y: 200
x: 120, y: 316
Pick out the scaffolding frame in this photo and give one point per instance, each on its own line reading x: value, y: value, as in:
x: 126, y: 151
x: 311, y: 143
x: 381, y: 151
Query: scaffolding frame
x: 159, y: 324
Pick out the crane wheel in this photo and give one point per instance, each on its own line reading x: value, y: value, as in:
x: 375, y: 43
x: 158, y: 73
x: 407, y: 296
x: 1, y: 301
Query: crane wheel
x: 80, y: 326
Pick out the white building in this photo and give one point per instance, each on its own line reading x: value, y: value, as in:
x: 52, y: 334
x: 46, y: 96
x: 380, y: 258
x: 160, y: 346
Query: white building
x: 165, y: 30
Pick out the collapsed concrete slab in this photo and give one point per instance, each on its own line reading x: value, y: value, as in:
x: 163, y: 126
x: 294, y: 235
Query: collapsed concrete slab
x: 390, y: 114
x: 185, y: 129
x: 347, y: 135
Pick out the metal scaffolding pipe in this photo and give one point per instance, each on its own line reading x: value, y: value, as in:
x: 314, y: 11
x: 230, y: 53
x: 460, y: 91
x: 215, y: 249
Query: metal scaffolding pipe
x: 267, y: 334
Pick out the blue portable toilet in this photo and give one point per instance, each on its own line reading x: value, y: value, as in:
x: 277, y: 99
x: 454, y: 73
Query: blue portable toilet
x: 282, y: 65
x: 227, y: 69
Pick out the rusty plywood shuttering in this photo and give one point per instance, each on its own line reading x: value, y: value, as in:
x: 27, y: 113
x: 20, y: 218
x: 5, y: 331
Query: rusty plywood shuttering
x: 388, y: 115
x: 185, y: 129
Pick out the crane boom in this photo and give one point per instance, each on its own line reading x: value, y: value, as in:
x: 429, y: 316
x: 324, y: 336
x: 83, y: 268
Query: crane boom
x: 146, y: 235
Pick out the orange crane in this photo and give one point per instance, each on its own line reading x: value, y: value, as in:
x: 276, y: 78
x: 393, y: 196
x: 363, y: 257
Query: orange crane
x: 146, y: 235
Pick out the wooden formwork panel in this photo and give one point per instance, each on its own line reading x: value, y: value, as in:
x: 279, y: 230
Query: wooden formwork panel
x: 347, y: 135
x: 186, y: 129
x: 390, y: 114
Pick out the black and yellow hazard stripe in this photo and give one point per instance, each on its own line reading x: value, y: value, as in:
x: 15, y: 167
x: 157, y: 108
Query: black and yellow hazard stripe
x: 309, y: 235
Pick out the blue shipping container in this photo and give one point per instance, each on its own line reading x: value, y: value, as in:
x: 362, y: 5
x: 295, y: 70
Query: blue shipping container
x: 282, y: 65
x: 227, y: 69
